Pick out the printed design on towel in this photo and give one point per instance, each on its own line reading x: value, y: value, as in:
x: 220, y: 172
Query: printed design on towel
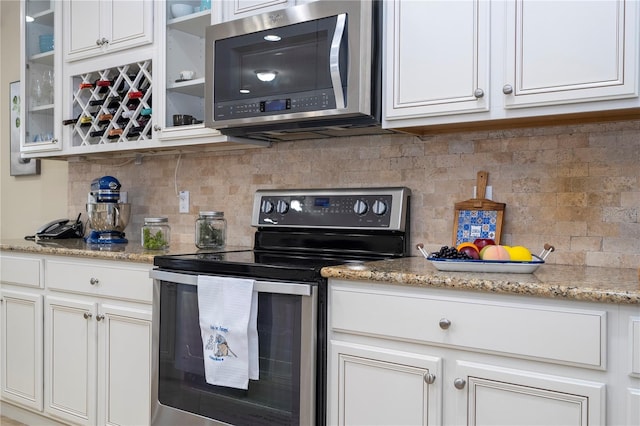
x: 219, y: 344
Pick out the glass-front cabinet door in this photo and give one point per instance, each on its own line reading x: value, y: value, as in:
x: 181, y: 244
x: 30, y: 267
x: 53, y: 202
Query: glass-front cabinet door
x: 40, y: 47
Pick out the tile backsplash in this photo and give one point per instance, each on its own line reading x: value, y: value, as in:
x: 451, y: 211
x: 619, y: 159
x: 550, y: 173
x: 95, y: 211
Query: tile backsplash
x: 576, y: 187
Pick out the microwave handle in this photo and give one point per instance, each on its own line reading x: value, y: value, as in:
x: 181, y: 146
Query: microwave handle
x: 334, y: 60
x: 296, y: 289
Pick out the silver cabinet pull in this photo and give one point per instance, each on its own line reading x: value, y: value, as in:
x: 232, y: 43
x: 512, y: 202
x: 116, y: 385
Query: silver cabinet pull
x: 444, y: 323
x: 478, y: 93
x: 507, y: 89
x: 94, y: 281
x: 99, y: 317
x: 87, y: 315
x: 429, y: 378
x: 459, y: 383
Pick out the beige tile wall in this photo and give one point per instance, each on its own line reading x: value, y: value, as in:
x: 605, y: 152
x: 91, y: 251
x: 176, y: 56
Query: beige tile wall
x: 577, y: 187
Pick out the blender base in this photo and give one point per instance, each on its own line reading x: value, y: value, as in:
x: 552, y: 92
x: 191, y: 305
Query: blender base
x: 106, y: 237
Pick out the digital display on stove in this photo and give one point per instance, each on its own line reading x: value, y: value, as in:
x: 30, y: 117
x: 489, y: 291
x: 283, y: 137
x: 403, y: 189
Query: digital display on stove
x: 321, y: 202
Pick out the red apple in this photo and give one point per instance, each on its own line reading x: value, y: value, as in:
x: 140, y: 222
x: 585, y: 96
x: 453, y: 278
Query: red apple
x: 481, y: 242
x: 470, y: 251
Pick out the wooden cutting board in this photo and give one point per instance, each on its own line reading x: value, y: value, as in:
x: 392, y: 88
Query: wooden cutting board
x: 478, y: 217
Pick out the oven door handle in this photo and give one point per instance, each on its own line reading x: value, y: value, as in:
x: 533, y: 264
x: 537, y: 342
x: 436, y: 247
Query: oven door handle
x: 296, y: 289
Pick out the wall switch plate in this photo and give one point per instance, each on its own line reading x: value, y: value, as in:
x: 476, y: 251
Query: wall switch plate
x: 184, y: 201
x: 488, y: 192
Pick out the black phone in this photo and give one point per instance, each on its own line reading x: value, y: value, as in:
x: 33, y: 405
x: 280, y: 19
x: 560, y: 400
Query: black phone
x: 58, y: 229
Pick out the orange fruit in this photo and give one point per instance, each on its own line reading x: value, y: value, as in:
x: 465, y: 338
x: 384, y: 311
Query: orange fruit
x: 467, y: 244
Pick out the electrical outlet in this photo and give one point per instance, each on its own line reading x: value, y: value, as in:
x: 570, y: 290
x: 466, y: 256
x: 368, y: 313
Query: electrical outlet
x: 488, y: 193
x: 184, y: 201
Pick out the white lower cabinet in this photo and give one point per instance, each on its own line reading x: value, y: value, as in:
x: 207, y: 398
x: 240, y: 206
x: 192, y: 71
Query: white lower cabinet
x: 379, y: 386
x: 75, y: 338
x: 21, y: 354
x: 406, y: 356
x: 98, y: 362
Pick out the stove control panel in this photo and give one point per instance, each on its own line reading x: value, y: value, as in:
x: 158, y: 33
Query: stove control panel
x: 363, y: 208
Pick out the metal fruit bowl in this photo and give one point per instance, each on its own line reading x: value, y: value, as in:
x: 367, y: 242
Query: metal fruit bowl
x: 108, y: 216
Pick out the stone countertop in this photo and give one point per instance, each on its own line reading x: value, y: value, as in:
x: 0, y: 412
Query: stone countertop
x: 607, y: 285
x: 130, y: 252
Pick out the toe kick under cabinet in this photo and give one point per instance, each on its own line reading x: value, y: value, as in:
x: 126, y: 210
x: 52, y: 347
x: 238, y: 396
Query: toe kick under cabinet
x: 84, y: 354
x: 421, y: 356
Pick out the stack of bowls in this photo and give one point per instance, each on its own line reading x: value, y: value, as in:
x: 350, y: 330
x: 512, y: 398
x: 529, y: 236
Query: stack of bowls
x: 180, y: 9
x: 46, y: 43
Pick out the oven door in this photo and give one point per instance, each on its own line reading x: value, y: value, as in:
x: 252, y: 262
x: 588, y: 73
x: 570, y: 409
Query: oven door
x: 285, y: 391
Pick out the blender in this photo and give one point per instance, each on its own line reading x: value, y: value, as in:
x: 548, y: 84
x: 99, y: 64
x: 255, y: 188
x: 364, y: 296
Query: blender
x: 108, y: 216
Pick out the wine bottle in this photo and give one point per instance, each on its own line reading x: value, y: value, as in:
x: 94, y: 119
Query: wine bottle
x: 104, y: 119
x: 114, y: 133
x: 97, y: 133
x: 96, y: 102
x: 85, y: 121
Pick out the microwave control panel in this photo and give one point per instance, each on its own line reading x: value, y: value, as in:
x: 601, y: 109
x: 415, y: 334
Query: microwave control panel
x: 274, y: 105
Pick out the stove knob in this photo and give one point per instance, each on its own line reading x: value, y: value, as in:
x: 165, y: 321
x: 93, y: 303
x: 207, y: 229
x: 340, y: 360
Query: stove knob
x: 379, y: 207
x: 282, y: 207
x: 266, y: 207
x: 360, y: 207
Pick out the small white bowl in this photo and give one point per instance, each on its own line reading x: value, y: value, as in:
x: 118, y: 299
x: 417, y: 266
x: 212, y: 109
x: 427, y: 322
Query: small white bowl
x: 181, y: 9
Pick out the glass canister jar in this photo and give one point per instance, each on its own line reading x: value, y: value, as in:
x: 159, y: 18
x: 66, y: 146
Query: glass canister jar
x: 211, y: 230
x: 156, y: 233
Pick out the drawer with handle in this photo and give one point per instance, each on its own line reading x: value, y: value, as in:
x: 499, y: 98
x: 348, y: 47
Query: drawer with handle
x: 523, y: 330
x: 120, y: 280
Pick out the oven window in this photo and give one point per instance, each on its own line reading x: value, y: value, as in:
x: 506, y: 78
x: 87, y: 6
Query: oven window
x: 274, y: 399
x: 296, y: 60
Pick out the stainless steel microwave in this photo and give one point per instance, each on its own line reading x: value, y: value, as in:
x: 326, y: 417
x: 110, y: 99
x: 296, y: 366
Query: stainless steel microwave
x: 308, y: 71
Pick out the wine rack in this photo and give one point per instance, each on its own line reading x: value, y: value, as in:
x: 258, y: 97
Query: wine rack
x: 112, y: 105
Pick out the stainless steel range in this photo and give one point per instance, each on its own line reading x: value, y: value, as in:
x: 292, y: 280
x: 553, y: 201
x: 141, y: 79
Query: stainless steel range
x: 298, y: 233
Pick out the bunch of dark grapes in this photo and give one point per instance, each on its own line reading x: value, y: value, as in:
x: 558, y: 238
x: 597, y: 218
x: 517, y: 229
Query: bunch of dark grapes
x: 447, y: 252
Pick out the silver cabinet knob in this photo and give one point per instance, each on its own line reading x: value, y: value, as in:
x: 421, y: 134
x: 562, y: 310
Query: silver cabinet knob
x: 98, y: 42
x: 507, y: 89
x: 444, y: 323
x: 478, y: 93
x: 94, y: 281
x: 459, y: 383
x: 104, y: 41
x: 54, y: 140
x: 429, y: 378
x: 157, y: 128
x: 99, y: 317
x: 87, y: 315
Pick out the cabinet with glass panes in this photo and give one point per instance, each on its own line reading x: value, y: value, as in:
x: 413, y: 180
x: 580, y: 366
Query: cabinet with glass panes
x: 40, y: 50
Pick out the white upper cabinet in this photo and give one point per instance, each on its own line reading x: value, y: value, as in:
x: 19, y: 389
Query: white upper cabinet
x: 105, y: 26
x: 569, y: 51
x: 38, y: 116
x: 437, y: 57
x: 479, y: 60
x: 235, y: 9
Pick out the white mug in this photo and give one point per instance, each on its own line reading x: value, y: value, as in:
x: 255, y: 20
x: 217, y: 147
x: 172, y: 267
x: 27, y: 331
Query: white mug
x: 186, y: 75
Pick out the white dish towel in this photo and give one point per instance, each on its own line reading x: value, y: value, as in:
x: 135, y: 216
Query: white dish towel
x: 228, y: 324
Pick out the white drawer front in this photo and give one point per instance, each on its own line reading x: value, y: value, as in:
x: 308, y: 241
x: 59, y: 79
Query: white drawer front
x: 634, y: 327
x: 563, y: 335
x: 100, y: 279
x: 19, y: 270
